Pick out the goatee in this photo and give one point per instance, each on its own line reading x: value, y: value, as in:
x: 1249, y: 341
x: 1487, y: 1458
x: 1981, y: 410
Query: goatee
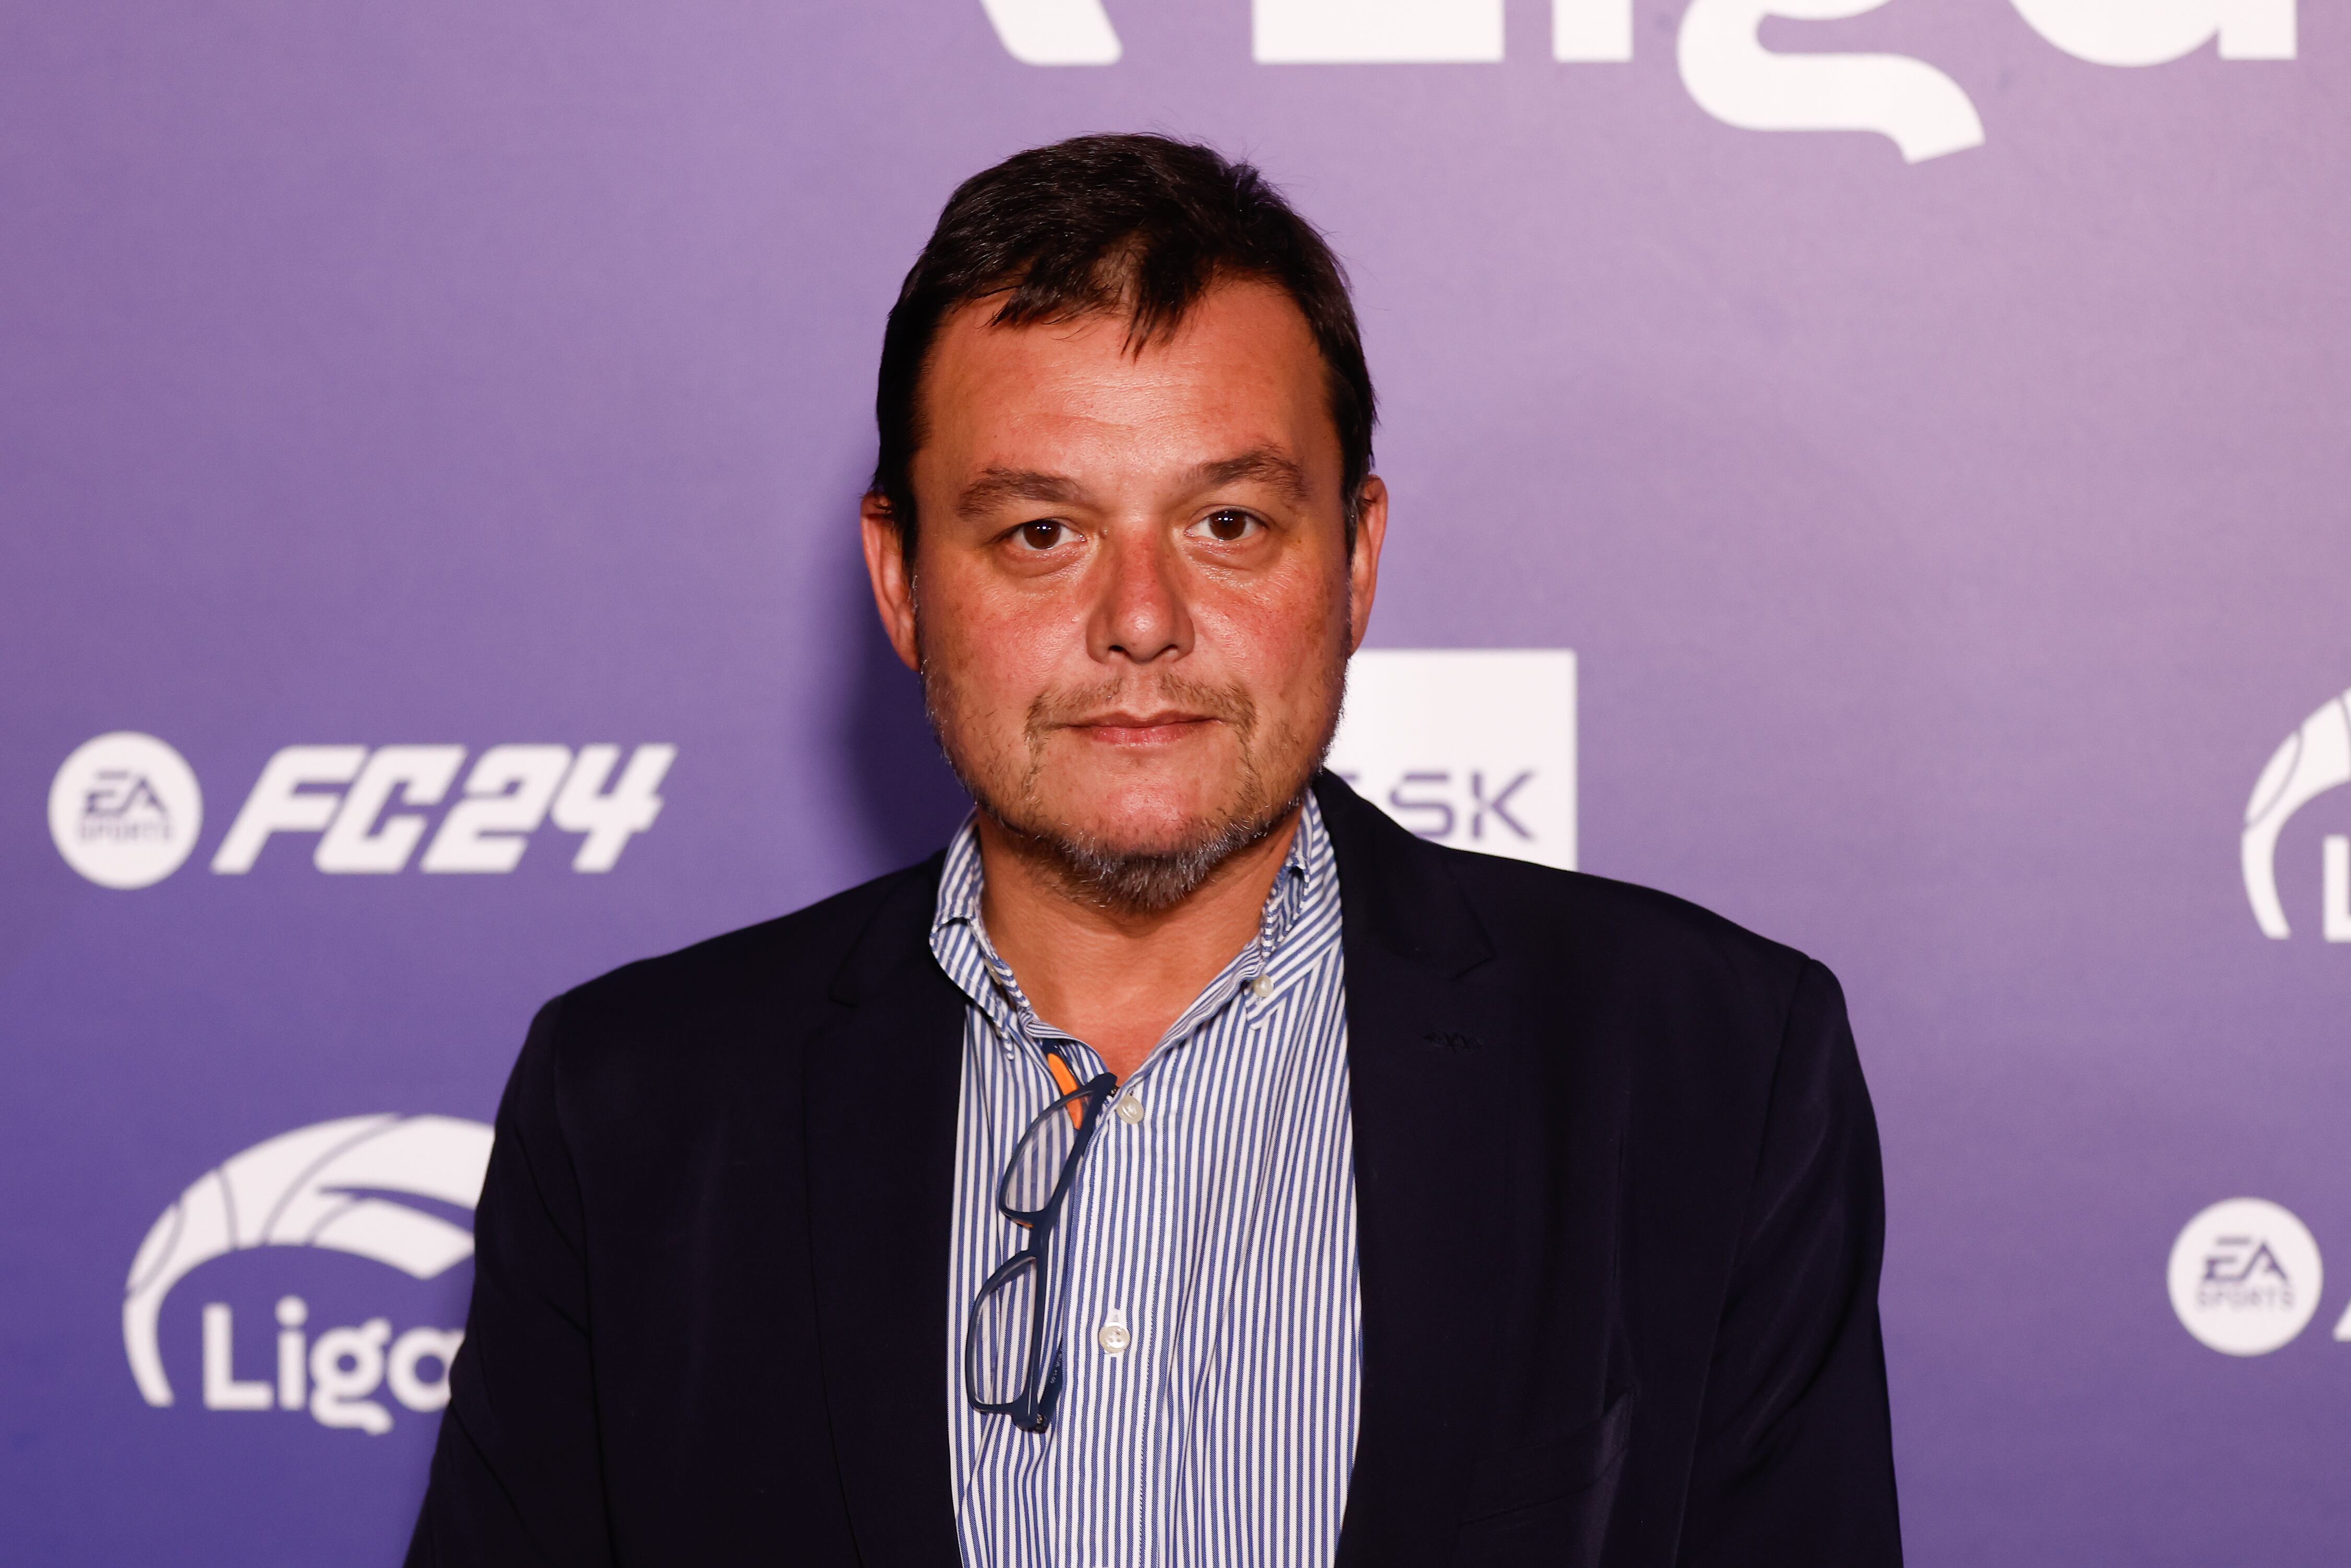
x: 1121, y: 878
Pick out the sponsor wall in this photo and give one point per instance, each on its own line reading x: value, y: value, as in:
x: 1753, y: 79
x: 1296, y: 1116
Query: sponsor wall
x: 1874, y: 468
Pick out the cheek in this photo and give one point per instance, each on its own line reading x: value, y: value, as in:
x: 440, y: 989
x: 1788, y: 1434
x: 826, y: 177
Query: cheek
x: 1286, y: 650
x: 1276, y: 637
x: 998, y: 653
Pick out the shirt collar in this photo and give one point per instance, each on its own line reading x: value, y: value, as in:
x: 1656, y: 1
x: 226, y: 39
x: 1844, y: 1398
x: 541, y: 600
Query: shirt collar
x: 955, y: 921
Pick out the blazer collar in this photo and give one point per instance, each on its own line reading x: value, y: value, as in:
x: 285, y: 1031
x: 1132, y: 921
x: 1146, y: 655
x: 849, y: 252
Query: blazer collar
x: 1395, y: 889
x: 1426, y: 1060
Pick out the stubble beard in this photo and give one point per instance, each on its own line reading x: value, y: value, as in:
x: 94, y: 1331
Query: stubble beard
x: 1278, y: 763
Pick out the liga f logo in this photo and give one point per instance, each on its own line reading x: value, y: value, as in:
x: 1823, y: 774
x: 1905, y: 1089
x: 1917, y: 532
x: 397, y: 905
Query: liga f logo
x: 336, y: 1185
x: 2314, y: 760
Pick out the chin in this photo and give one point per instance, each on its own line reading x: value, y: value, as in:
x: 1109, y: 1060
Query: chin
x: 1132, y: 817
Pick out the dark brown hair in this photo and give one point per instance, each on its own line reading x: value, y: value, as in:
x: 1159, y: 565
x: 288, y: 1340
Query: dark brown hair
x: 1139, y: 224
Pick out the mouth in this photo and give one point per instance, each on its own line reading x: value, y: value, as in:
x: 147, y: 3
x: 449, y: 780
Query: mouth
x: 1142, y: 729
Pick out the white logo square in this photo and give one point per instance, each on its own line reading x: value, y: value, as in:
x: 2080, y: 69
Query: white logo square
x: 1473, y: 748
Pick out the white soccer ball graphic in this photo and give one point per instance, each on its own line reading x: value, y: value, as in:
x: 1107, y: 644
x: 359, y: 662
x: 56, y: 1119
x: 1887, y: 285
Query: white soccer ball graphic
x: 2314, y: 760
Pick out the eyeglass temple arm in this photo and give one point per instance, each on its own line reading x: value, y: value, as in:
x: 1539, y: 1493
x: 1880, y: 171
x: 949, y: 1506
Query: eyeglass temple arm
x: 1065, y: 1079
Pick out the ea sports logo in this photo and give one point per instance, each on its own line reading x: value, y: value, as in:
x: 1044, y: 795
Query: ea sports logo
x: 125, y: 809
x: 2245, y: 1277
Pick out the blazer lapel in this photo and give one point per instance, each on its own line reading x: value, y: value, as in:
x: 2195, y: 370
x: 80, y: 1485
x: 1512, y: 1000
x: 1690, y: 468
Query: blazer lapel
x: 881, y: 1083
x: 1425, y: 1061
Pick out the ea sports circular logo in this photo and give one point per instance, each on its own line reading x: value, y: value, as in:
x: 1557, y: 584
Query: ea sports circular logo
x: 2245, y: 1276
x: 125, y: 809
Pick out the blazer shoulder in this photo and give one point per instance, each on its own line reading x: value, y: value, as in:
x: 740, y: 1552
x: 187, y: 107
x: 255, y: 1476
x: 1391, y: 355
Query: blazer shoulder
x: 781, y: 967
x: 1611, y: 938
x: 1552, y: 917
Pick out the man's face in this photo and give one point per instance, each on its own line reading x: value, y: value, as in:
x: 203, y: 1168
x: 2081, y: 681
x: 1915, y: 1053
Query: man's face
x: 1132, y: 599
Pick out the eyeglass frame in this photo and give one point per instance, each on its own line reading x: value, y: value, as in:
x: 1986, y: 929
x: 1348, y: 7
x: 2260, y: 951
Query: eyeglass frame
x: 1032, y: 1409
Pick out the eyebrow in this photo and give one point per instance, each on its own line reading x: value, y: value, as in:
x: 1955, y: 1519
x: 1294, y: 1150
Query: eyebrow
x: 998, y: 485
x: 1266, y: 465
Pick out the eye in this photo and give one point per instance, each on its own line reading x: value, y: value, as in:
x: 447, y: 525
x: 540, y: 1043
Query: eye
x: 1044, y: 534
x: 1227, y: 526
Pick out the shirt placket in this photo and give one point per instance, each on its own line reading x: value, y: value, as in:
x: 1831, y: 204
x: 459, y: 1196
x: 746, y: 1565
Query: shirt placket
x: 1135, y: 1172
x: 1122, y: 1268
x: 1137, y: 1187
x: 1188, y: 1137
x: 1095, y: 1396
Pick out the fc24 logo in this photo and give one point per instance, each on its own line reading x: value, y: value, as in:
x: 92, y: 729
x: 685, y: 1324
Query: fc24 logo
x: 125, y: 809
x: 343, y: 794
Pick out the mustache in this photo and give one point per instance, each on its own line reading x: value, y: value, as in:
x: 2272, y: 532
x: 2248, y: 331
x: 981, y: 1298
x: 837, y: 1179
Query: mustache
x: 1059, y: 708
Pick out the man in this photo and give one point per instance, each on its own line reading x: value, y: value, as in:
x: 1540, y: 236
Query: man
x: 1189, y: 1165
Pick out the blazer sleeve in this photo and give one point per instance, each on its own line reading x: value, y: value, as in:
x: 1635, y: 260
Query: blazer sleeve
x: 516, y: 1477
x: 1795, y: 1457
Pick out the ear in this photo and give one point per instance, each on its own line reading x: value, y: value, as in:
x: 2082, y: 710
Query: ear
x: 1364, y: 567
x: 894, y: 581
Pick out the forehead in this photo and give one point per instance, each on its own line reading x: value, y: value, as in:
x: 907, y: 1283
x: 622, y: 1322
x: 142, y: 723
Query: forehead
x: 1242, y: 368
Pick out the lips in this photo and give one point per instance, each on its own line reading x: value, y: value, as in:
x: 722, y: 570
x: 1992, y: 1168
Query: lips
x: 1142, y: 729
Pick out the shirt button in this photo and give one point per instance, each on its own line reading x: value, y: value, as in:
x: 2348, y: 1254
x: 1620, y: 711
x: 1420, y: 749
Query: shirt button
x: 1262, y: 987
x: 1129, y: 1109
x: 1113, y: 1337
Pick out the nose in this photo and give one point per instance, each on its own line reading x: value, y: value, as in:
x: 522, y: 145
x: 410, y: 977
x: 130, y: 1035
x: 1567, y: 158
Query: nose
x: 1140, y: 614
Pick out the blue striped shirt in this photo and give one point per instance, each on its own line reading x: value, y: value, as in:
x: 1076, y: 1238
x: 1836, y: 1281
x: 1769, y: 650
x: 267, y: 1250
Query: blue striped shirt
x: 1213, y: 1219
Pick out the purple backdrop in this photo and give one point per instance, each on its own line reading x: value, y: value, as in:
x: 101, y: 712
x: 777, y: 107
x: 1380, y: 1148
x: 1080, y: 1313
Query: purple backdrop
x: 1946, y: 547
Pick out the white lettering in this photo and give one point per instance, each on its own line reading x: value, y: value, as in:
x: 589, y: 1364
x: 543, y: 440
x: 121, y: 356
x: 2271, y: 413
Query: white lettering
x: 338, y: 1393
x: 1054, y: 32
x: 1371, y: 32
x: 608, y: 819
x: 353, y: 842
x: 278, y: 805
x: 2151, y: 32
x: 1594, y: 31
x: 334, y: 1376
x: 1740, y: 83
x: 292, y: 1312
x: 224, y: 1390
x: 507, y: 797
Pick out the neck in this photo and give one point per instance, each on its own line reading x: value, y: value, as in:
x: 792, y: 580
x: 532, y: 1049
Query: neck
x: 1115, y: 978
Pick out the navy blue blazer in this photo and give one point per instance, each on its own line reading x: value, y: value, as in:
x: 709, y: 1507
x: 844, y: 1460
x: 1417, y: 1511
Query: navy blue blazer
x: 1620, y: 1224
